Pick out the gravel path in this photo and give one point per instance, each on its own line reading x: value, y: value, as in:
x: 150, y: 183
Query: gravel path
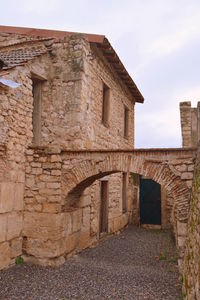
x: 136, y: 264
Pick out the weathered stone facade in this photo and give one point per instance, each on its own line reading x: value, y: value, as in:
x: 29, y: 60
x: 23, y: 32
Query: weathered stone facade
x: 56, y: 151
x: 71, y: 72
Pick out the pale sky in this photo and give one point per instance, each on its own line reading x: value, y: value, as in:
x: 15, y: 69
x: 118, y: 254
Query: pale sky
x: 158, y: 41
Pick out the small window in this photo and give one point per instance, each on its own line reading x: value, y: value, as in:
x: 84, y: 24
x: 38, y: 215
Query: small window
x: 126, y: 115
x: 124, y: 192
x: 37, y: 111
x: 105, y: 105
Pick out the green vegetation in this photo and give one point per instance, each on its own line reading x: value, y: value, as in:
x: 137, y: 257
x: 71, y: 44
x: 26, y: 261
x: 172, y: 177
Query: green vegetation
x: 19, y: 260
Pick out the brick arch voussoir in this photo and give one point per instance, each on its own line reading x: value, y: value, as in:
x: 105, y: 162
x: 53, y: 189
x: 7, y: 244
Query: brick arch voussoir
x: 164, y: 175
x: 86, y: 172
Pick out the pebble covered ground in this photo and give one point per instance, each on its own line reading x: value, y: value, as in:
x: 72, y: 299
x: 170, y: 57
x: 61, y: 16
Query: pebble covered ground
x: 136, y: 264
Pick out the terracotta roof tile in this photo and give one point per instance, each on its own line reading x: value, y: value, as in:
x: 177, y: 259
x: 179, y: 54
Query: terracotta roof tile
x: 16, y: 57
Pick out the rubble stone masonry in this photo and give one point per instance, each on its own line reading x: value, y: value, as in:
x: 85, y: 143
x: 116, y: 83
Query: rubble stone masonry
x: 15, y: 136
x: 72, y: 75
x: 50, y: 196
x: 191, y: 273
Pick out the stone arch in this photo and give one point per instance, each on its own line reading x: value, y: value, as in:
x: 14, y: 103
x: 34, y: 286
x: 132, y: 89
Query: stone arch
x: 84, y: 173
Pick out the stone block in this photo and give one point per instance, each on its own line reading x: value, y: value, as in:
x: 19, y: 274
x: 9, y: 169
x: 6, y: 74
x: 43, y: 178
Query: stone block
x: 76, y: 220
x: 72, y: 242
x: 16, y: 247
x: 44, y: 225
x: 51, y: 207
x: 53, y: 185
x: 6, y: 196
x: 56, y: 158
x: 18, y: 196
x: 14, y: 228
x: 124, y: 220
x: 4, y: 255
x: 181, y: 228
x: 186, y: 175
x: 84, y: 240
x: 85, y: 219
x: 117, y: 224
x: 85, y: 200
x: 3, y: 227
x: 66, y: 223
x: 181, y: 242
x: 45, y: 248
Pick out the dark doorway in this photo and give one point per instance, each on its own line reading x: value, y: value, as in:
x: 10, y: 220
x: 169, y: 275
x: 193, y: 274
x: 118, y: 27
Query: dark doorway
x: 150, y: 202
x: 104, y: 207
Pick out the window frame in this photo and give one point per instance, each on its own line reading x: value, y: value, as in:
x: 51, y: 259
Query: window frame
x: 105, y: 105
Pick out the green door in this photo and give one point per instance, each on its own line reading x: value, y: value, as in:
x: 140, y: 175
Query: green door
x: 150, y: 202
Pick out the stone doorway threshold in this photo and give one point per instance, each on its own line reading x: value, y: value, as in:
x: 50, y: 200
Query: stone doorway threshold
x: 150, y: 226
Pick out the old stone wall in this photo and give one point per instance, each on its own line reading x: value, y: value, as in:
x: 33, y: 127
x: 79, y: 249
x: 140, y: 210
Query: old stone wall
x: 75, y: 95
x: 72, y: 91
x: 57, y: 229
x: 110, y: 136
x: 16, y: 134
x: 62, y: 206
x: 191, y: 275
x: 73, y: 98
x: 190, y: 126
x: 99, y: 72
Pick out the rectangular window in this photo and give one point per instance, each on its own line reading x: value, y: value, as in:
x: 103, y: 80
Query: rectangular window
x: 124, y: 192
x: 105, y: 105
x: 126, y: 115
x: 37, y: 111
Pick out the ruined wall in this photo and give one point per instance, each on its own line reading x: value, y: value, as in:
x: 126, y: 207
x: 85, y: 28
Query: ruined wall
x: 190, y: 126
x: 16, y: 134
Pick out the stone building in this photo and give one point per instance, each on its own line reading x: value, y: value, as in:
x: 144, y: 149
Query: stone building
x: 68, y: 168
x: 74, y: 93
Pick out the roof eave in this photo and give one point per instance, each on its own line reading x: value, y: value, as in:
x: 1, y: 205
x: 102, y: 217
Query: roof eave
x: 100, y: 40
x: 112, y: 57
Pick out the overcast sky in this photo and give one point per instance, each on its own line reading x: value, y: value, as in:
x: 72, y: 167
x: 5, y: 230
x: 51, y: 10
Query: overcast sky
x: 157, y: 40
